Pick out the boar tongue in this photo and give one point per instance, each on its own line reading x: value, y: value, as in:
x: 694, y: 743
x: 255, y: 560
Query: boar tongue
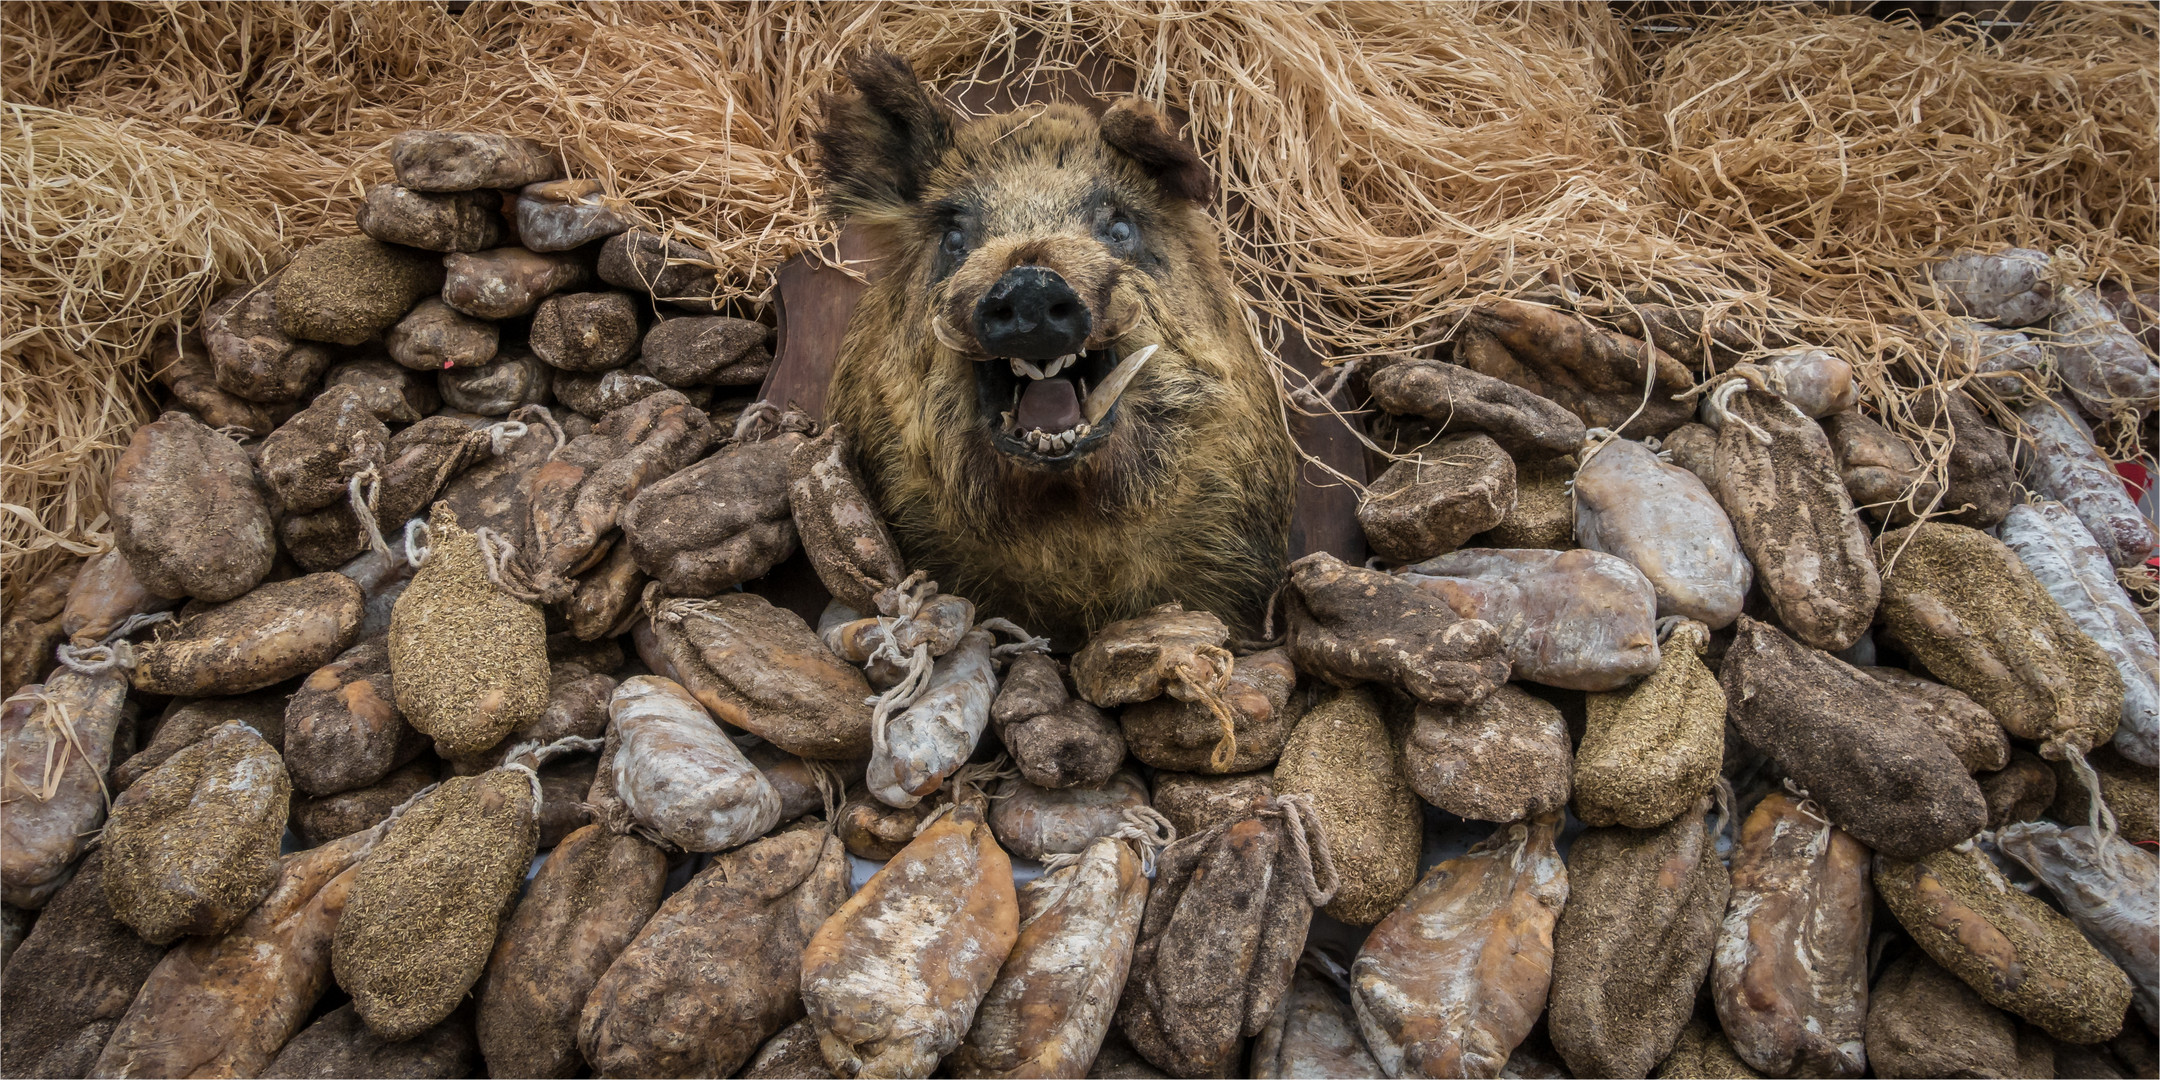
x: 1049, y: 405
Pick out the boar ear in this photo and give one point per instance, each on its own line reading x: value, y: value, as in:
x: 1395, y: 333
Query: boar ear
x: 1145, y: 135
x: 876, y: 145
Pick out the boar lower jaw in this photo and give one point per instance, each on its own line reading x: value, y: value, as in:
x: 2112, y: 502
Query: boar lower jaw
x: 1021, y: 392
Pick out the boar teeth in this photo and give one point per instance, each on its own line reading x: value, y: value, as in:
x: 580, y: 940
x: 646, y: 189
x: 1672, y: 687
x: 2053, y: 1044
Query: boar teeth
x: 1043, y: 442
x: 1098, y: 403
x: 1021, y: 368
x: 1049, y: 443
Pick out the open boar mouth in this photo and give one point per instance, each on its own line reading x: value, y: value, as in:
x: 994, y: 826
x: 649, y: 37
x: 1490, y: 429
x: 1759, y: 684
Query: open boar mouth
x: 1055, y: 411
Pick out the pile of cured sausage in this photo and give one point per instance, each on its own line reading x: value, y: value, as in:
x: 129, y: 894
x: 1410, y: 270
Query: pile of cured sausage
x: 433, y: 713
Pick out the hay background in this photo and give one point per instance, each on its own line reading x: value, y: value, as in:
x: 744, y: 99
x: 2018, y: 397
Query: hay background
x: 1382, y: 163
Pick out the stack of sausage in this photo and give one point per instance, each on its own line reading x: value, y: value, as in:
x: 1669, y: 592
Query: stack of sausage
x: 1934, y: 693
x: 482, y: 745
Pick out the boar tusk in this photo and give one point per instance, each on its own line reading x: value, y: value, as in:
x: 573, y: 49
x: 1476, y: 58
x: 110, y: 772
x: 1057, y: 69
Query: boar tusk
x: 1098, y: 403
x: 945, y: 336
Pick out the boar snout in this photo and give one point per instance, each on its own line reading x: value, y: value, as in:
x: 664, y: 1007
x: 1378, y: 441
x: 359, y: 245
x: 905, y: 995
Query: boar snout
x: 1032, y: 314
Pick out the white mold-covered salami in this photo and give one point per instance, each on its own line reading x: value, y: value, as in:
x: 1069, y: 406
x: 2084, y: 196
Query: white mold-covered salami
x: 1662, y: 519
x: 1450, y: 982
x: 1313, y: 1033
x: 2001, y: 360
x: 2111, y: 890
x: 56, y: 741
x: 1790, y: 974
x: 105, y: 594
x: 760, y: 668
x: 924, y: 743
x: 1817, y: 381
x: 2007, y: 288
x: 1033, y: 822
x: 2100, y: 361
x: 883, y: 644
x: 892, y: 980
x: 938, y: 620
x: 1053, y: 1000
x: 2055, y: 546
x: 714, y: 971
x: 382, y: 577
x: 1503, y: 759
x: 2067, y: 467
x: 859, y: 640
x: 1166, y: 650
x: 679, y: 776
x: 1580, y: 619
x: 1777, y: 478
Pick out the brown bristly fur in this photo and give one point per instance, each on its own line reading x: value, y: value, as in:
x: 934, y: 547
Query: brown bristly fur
x: 1187, y: 499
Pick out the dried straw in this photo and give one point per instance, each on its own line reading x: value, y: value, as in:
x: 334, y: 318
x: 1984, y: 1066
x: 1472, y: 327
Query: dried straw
x: 111, y: 234
x: 1382, y: 163
x: 1840, y: 153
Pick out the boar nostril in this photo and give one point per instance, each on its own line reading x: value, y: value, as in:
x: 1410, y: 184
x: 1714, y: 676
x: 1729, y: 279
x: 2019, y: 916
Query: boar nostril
x: 1031, y: 314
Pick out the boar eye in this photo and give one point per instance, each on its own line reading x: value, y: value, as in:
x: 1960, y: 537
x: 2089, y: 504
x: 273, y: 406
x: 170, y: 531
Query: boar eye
x: 1120, y: 233
x: 955, y: 243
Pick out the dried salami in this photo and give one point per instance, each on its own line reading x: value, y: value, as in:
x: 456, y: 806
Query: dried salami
x: 1452, y: 980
